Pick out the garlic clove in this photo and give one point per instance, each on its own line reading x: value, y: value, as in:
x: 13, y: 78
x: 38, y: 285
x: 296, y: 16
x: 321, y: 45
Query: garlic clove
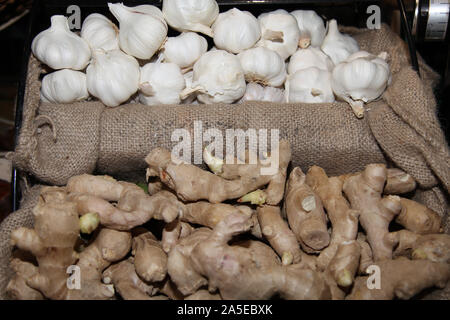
x: 191, y: 15
x: 236, y: 30
x: 112, y: 76
x: 310, y: 57
x: 185, y: 49
x: 263, y: 66
x: 218, y: 77
x: 161, y: 83
x: 338, y: 46
x: 142, y: 29
x: 59, y: 48
x: 100, y: 33
x: 64, y: 86
x: 256, y: 92
x: 279, y: 32
x: 311, y: 26
x: 310, y: 85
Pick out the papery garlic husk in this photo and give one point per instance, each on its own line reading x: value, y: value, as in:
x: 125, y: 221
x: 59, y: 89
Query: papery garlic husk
x: 64, y: 86
x: 185, y: 49
x: 60, y: 48
x: 191, y: 15
x: 218, y: 77
x: 310, y: 85
x: 100, y: 32
x: 279, y: 32
x: 188, y: 79
x: 257, y: 92
x: 112, y: 76
x: 263, y: 66
x: 161, y: 83
x: 236, y: 31
x: 310, y: 57
x: 312, y: 28
x: 362, y: 78
x: 142, y: 29
x: 338, y: 46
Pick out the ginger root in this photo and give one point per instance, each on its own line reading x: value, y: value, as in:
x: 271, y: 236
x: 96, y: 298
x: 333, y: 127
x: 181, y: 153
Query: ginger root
x: 304, y: 210
x: 173, y: 232
x: 150, y: 260
x: 418, y: 218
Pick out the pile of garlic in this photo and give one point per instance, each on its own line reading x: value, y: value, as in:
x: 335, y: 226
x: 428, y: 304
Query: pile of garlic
x: 276, y: 57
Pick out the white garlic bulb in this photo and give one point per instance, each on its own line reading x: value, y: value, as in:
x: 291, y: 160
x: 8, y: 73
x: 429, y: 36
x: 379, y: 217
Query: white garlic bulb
x: 312, y: 28
x: 279, y: 32
x: 64, y: 86
x: 161, y: 83
x: 264, y: 66
x: 60, y: 48
x: 236, y: 30
x: 218, y: 77
x: 256, y: 92
x: 310, y: 57
x: 100, y: 33
x: 112, y: 76
x: 338, y: 46
x: 191, y: 15
x: 185, y: 49
x: 310, y: 85
x: 142, y: 29
x: 362, y: 78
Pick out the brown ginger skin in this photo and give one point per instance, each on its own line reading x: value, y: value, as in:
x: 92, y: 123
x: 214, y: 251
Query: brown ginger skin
x: 150, y: 261
x: 304, y: 210
x: 134, y: 207
x: 344, y: 222
x: 173, y: 232
x: 433, y: 247
x: 399, y: 182
x: 192, y: 183
x: 17, y: 287
x: 402, y: 278
x: 418, y: 218
x: 366, y: 259
x: 364, y: 191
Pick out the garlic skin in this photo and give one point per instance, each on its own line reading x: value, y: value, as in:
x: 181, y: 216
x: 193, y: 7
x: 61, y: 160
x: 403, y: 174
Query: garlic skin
x: 185, y: 49
x: 279, y: 32
x: 310, y: 85
x: 236, y: 31
x: 60, y: 48
x: 263, y: 66
x: 312, y: 28
x: 64, y: 86
x: 142, y: 29
x: 338, y: 46
x: 310, y: 57
x: 161, y: 83
x: 191, y: 15
x: 100, y: 32
x: 112, y: 76
x: 256, y: 92
x: 362, y: 78
x: 218, y: 77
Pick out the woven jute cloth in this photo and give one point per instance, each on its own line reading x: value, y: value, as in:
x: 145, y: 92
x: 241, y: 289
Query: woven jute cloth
x: 401, y: 129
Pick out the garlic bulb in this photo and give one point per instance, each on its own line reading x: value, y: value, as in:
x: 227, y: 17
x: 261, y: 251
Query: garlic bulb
x: 185, y: 49
x: 338, y: 46
x: 236, y: 30
x: 363, y: 77
x: 256, y: 92
x: 191, y: 15
x: 218, y: 77
x: 264, y: 66
x: 64, y: 86
x: 310, y: 85
x: 310, y: 57
x: 142, y: 29
x: 112, y: 76
x: 59, y: 48
x: 161, y: 83
x: 100, y: 33
x: 312, y: 28
x: 279, y: 32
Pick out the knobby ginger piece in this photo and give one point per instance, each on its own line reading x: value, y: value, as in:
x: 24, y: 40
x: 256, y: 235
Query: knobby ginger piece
x: 418, y: 218
x: 150, y: 261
